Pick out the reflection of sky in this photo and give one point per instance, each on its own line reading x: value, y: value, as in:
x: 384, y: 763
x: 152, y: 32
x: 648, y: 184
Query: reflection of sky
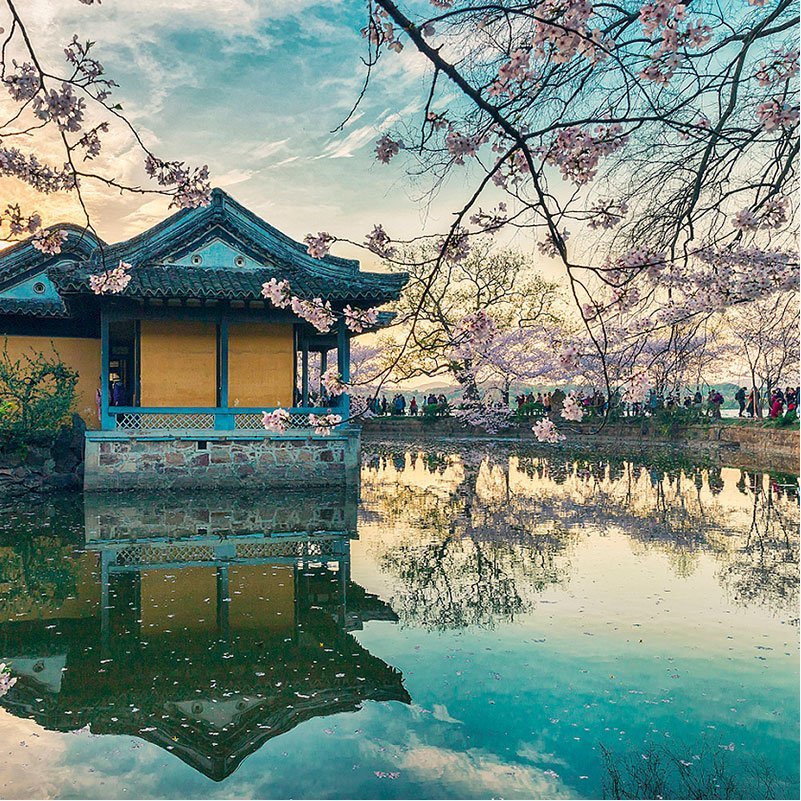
x: 627, y: 650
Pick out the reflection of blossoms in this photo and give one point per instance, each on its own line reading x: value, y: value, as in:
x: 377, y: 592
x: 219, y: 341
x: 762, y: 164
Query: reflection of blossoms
x: 357, y: 320
x: 7, y: 681
x: 324, y: 423
x: 277, y: 420
x: 571, y: 408
x: 332, y: 381
x: 111, y: 282
x: 545, y: 431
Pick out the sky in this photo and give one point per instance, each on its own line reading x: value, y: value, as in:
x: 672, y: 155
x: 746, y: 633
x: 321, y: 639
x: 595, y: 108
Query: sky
x: 254, y: 89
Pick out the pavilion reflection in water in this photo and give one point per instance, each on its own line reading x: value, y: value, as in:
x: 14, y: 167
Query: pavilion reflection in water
x: 205, y: 629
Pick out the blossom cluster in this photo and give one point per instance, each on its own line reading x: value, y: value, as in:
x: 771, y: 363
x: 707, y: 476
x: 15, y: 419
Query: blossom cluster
x: 18, y: 222
x: 378, y: 242
x: 23, y: 83
x: 456, y: 247
x: 315, y: 312
x: 111, y: 282
x: 775, y: 114
x: 460, y: 145
x: 572, y: 409
x: 190, y: 185
x: 772, y: 214
x: 332, y: 381
x: 318, y: 246
x: 782, y: 66
x: 492, y: 220
x: 277, y: 420
x: 561, y: 31
x: 358, y: 320
x: 666, y: 17
x: 50, y: 241
x: 568, y: 357
x: 387, y: 147
x: 545, y: 431
x: 512, y: 75
x: 475, y: 329
x: 45, y: 179
x: 607, y: 213
x: 277, y: 292
x: 61, y: 106
x: 548, y: 245
x: 380, y: 30
x: 577, y: 151
x: 324, y: 423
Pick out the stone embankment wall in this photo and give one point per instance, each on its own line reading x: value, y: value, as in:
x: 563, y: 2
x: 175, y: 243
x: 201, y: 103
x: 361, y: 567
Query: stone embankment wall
x: 43, y: 464
x: 747, y: 445
x: 219, y: 459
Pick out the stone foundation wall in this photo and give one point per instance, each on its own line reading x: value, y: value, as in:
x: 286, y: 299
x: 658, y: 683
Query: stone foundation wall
x: 179, y: 460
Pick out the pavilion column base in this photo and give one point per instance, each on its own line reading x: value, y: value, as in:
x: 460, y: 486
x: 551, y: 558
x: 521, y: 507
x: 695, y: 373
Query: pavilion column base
x: 220, y: 460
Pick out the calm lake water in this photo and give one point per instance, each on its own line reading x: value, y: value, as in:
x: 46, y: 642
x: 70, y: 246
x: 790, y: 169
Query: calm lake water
x: 481, y: 622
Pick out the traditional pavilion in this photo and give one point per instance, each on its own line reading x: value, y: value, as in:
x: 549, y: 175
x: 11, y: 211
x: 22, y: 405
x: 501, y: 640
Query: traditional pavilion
x: 189, y: 347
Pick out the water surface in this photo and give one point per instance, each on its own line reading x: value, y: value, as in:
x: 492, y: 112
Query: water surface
x: 480, y: 622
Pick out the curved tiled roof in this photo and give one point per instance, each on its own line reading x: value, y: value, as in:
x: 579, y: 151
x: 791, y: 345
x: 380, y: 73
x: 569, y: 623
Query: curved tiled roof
x: 37, y: 307
x: 179, y: 281
x: 155, y: 274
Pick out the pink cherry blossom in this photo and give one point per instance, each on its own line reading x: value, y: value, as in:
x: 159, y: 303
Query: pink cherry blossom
x: 358, y: 320
x: 545, y: 431
x: 318, y: 246
x: 315, y: 312
x: 332, y: 381
x: 190, y: 186
x: 607, y: 213
x: 577, y: 151
x: 572, y: 409
x: 378, y: 242
x: 24, y: 83
x: 455, y: 248
x: 50, y: 241
x: 773, y: 114
x: 111, y: 282
x: 277, y: 292
x: 386, y: 148
x: 277, y: 420
x: 460, y: 145
x: 324, y: 423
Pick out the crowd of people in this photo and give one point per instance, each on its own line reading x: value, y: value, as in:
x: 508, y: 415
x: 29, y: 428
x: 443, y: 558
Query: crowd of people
x: 597, y: 404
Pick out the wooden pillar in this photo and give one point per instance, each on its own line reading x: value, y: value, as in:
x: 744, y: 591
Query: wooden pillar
x: 224, y: 362
x: 106, y: 420
x: 304, y: 372
x: 343, y: 364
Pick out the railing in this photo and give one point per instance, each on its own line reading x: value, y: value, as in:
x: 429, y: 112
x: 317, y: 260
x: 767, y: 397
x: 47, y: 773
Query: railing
x: 154, y: 419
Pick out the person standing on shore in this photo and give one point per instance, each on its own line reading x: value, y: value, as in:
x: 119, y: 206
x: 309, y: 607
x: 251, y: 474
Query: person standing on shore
x: 740, y: 398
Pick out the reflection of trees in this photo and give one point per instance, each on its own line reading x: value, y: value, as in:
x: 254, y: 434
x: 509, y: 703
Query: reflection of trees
x: 764, y: 568
x: 36, y: 545
x: 478, y: 536
x: 467, y: 555
x: 698, y: 771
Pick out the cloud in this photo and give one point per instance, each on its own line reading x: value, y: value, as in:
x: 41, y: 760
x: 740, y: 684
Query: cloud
x: 477, y: 773
x: 267, y: 149
x: 345, y: 148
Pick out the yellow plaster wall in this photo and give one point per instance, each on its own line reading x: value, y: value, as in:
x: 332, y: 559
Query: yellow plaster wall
x: 82, y: 355
x: 178, y: 363
x: 260, y: 364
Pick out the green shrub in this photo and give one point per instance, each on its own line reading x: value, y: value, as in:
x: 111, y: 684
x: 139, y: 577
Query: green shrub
x: 37, y: 396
